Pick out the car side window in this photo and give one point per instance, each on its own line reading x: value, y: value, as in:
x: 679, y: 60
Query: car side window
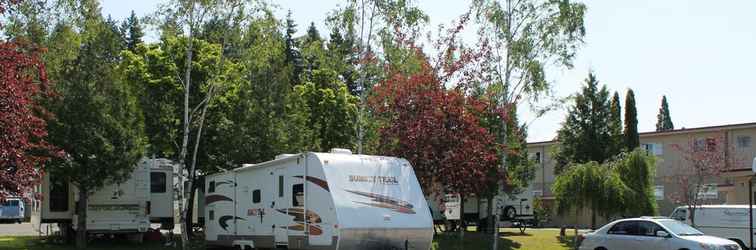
x: 624, y: 228
x: 647, y: 228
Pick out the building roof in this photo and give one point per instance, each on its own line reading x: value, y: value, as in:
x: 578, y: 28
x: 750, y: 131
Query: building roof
x: 700, y: 129
x: 671, y: 132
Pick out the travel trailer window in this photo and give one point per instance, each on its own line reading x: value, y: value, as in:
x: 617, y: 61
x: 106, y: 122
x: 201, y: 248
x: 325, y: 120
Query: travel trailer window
x: 297, y: 192
x: 58, y: 196
x: 280, y: 186
x: 256, y: 196
x: 157, y: 182
x: 211, y: 215
x: 211, y: 187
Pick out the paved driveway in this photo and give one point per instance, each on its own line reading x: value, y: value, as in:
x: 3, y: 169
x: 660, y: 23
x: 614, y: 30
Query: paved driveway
x: 15, y: 229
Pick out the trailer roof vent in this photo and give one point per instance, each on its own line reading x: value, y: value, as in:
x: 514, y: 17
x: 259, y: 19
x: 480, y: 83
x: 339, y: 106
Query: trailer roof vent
x: 284, y: 156
x: 341, y: 151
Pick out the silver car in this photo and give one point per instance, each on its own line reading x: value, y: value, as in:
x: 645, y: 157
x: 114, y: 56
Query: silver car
x: 648, y: 233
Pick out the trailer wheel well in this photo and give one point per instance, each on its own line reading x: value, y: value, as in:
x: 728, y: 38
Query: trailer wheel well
x: 600, y: 248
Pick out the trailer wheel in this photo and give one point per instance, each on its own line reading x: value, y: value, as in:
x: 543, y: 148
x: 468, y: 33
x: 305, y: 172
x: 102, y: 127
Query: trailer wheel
x: 510, y: 212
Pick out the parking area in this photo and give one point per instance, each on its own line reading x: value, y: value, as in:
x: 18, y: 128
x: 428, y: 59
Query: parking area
x: 15, y: 229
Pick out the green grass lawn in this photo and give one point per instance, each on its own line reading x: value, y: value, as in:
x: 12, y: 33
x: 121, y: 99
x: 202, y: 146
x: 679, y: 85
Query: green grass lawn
x: 532, y: 239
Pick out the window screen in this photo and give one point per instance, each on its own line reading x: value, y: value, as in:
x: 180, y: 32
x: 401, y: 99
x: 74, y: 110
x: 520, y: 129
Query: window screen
x: 297, y: 195
x: 157, y: 182
x: 211, y: 187
x: 256, y: 196
x: 280, y: 186
x: 58, y: 195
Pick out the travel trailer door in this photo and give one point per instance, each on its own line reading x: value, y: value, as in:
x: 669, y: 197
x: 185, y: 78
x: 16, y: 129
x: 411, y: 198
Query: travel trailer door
x: 280, y: 205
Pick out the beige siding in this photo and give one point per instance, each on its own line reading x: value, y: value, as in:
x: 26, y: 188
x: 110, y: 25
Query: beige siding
x: 740, y: 140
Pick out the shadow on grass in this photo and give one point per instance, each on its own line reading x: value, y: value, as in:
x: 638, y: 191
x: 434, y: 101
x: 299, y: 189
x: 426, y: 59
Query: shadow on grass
x: 567, y: 241
x: 39, y: 243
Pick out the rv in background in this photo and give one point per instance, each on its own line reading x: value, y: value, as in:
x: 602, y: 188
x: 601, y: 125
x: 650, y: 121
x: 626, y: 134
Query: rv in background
x: 725, y: 221
x: 334, y: 200
x: 12, y: 209
x: 129, y: 207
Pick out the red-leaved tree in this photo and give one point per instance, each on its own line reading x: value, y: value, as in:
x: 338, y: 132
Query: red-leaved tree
x: 704, y: 162
x: 23, y: 84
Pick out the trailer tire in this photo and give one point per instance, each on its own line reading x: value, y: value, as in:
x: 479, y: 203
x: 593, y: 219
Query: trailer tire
x: 510, y: 212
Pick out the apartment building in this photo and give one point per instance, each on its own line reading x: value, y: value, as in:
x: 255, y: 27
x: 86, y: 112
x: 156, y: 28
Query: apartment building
x: 673, y: 149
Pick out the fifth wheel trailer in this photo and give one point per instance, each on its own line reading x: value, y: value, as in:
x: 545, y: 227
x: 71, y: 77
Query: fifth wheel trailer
x: 335, y: 200
x: 127, y: 207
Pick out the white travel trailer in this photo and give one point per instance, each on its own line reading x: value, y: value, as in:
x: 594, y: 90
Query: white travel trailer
x: 129, y: 207
x: 334, y: 200
x: 725, y: 221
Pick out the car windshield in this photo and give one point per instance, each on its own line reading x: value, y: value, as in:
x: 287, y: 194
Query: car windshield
x: 680, y: 228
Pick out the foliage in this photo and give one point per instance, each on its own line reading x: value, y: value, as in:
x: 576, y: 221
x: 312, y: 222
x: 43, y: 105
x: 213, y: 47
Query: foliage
x: 589, y: 185
x: 23, y: 127
x: 331, y: 110
x: 703, y: 160
x: 527, y: 36
x: 637, y: 170
x: 663, y: 119
x: 632, y: 139
x: 437, y: 130
x: 132, y: 31
x: 98, y: 123
x: 615, y: 124
x: 586, y: 134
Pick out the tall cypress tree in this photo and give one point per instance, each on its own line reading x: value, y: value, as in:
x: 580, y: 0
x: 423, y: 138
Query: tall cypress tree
x: 663, y: 119
x: 615, y: 124
x: 632, y: 139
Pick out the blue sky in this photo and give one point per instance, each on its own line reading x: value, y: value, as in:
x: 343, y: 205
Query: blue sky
x: 699, y: 53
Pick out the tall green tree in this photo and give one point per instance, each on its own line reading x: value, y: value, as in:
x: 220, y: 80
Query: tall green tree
x: 98, y: 122
x: 293, y: 55
x: 615, y: 124
x: 637, y: 170
x: 332, y: 110
x: 132, y: 30
x: 586, y: 133
x: 632, y: 139
x: 663, y: 119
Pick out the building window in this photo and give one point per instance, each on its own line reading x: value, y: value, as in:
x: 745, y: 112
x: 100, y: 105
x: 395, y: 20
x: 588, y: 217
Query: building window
x: 58, y: 195
x: 256, y: 196
x: 297, y: 195
x: 537, y: 157
x: 211, y: 187
x: 157, y: 182
x: 711, y: 145
x: 280, y: 186
x: 744, y: 141
x: 659, y: 193
x: 653, y: 148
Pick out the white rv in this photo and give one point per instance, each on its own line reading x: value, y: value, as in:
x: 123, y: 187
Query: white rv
x: 725, y: 221
x: 334, y: 200
x: 129, y: 207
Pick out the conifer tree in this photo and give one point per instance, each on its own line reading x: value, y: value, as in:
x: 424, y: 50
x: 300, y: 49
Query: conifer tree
x: 632, y: 139
x: 664, y: 120
x: 615, y: 124
x: 131, y: 28
x: 585, y: 134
